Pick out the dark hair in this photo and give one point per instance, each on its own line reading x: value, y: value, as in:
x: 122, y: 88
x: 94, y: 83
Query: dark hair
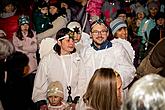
x: 42, y: 4
x: 120, y: 11
x: 7, y: 2
x: 62, y: 32
x: 20, y: 36
x: 15, y: 64
x: 159, y: 15
x: 60, y: 11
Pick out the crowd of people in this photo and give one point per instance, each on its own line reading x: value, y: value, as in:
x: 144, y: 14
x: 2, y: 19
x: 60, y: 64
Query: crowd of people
x: 82, y: 55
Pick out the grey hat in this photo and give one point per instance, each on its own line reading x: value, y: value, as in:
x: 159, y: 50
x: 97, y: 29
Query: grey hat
x: 141, y: 9
x: 116, y: 25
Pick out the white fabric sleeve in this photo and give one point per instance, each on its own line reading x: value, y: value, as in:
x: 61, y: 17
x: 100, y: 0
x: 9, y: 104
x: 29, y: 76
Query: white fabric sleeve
x: 81, y: 86
x: 82, y: 79
x: 124, y: 66
x: 40, y: 82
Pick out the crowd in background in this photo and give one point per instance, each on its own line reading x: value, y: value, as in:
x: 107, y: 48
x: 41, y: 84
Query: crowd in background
x: 81, y: 54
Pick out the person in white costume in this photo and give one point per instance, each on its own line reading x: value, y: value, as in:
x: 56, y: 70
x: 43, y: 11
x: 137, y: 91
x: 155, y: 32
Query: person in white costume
x: 102, y: 53
x: 63, y: 65
x: 120, y: 33
x: 82, y: 39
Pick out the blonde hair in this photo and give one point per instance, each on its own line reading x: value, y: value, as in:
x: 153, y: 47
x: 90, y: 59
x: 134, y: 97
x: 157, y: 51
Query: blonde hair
x: 101, y: 93
x: 6, y: 48
x: 148, y: 93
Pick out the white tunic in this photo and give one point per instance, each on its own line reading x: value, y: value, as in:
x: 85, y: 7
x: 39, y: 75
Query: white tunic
x: 115, y: 57
x: 51, y: 69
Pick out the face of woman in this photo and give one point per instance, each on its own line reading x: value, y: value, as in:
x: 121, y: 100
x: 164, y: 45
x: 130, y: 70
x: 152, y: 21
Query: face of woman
x: 67, y: 45
x: 140, y: 15
x: 122, y: 33
x: 153, y: 11
x: 53, y: 10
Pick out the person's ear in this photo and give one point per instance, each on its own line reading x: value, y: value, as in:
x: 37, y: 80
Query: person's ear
x: 108, y: 33
x: 59, y: 42
x: 26, y: 70
x: 90, y: 34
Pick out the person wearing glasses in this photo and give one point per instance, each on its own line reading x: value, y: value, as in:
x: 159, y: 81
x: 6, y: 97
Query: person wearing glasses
x: 104, y: 54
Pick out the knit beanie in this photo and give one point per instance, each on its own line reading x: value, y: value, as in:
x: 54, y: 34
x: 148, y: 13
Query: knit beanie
x: 55, y: 89
x: 153, y: 4
x: 116, y: 25
x: 23, y: 19
x: 140, y: 9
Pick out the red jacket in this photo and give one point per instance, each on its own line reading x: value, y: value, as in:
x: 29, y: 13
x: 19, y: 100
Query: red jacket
x: 9, y: 25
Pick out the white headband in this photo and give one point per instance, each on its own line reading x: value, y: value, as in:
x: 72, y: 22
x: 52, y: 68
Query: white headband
x: 66, y: 36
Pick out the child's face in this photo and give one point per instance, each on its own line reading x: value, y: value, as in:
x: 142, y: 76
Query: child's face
x: 140, y: 15
x: 160, y: 21
x: 44, y: 10
x: 9, y: 8
x: 53, y: 10
x: 55, y: 100
x: 122, y: 33
x: 77, y: 37
x: 24, y: 27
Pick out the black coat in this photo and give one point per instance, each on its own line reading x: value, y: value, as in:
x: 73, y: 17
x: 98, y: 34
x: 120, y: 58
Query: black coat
x: 18, y: 92
x: 154, y: 36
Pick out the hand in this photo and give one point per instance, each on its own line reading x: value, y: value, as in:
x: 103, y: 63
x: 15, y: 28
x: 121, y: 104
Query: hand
x: 43, y: 107
x: 73, y: 106
x: 20, y: 47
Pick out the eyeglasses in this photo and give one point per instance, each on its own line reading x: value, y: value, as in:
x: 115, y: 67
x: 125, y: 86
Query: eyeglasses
x: 102, y: 32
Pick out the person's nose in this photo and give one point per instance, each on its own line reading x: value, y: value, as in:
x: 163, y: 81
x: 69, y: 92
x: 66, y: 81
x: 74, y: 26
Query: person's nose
x: 71, y: 41
x: 99, y: 33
